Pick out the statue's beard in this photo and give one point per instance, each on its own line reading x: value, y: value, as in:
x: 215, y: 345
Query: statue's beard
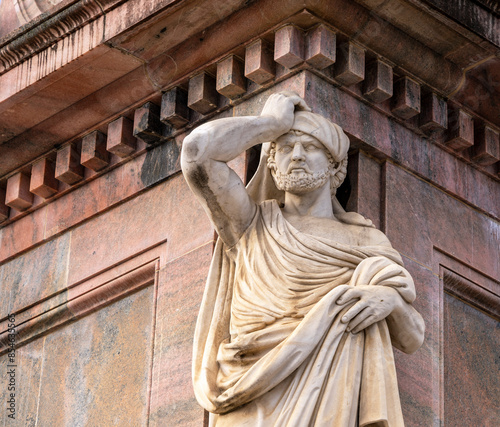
x: 299, y: 183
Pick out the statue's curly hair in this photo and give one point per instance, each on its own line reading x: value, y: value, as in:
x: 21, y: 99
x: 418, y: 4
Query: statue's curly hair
x: 338, y: 171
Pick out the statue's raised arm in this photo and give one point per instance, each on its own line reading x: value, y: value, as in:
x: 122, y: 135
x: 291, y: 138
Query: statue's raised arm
x: 207, y: 150
x: 304, y: 300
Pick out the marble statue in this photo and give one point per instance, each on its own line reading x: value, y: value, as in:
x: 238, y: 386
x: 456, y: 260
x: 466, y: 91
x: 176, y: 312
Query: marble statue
x: 304, y: 301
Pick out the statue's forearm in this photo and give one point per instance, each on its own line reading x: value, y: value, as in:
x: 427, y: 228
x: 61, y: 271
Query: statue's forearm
x: 225, y: 139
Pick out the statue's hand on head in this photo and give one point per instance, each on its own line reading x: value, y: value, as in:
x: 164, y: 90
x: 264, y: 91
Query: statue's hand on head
x: 281, y: 107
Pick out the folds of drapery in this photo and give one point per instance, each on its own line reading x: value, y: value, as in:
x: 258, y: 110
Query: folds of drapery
x: 300, y: 368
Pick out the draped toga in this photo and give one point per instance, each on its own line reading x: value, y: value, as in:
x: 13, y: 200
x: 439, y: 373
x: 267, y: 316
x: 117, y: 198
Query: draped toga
x: 270, y: 349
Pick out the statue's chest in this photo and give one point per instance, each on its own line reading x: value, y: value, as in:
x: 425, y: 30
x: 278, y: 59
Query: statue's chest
x: 333, y: 230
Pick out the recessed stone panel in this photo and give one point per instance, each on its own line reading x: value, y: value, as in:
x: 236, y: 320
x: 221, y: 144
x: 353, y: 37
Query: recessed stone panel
x: 471, y: 384
x: 97, y: 357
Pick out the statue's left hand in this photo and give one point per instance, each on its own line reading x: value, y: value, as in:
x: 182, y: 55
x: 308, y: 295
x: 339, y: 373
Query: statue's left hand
x: 371, y: 304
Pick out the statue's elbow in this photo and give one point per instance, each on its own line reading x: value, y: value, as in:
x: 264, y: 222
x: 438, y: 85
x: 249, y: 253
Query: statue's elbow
x: 409, y: 336
x: 416, y: 337
x: 192, y: 147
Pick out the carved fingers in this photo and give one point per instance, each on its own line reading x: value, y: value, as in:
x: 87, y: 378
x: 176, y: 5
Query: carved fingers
x: 281, y: 106
x: 371, y: 304
x: 298, y: 102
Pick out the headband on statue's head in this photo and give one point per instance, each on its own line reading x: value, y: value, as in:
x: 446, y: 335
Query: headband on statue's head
x: 333, y: 138
x: 329, y: 134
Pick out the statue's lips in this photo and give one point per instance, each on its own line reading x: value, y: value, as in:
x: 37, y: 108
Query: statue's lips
x: 298, y: 169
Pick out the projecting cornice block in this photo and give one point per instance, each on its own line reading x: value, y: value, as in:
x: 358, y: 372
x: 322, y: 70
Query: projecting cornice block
x: 321, y: 47
x: 230, y: 77
x: 406, y: 99
x: 350, y: 65
x: 289, y: 46
x: 378, y: 82
x: 18, y: 195
x: 68, y: 167
x: 94, y: 155
x: 434, y: 115
x: 174, y: 109
x: 486, y: 148
x: 259, y: 62
x: 202, y: 95
x: 43, y: 181
x: 121, y: 140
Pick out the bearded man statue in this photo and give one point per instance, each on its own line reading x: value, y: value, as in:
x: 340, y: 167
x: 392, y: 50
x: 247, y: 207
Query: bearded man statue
x: 304, y: 301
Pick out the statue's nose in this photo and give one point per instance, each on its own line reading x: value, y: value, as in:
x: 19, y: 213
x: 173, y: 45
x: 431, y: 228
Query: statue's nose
x: 298, y: 152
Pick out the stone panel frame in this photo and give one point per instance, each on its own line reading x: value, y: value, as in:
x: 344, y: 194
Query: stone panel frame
x: 482, y: 293
x: 87, y: 296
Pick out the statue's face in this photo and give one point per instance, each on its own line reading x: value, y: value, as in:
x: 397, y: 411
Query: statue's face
x: 301, y: 163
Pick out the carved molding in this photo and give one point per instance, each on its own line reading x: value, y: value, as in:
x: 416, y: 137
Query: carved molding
x: 80, y: 299
x: 471, y: 292
x: 45, y: 33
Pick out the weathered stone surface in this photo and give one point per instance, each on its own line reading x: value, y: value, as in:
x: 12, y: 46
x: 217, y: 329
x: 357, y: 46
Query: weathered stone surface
x: 321, y: 47
x: 350, y: 65
x: 365, y: 176
x: 433, y: 216
x: 121, y: 140
x: 231, y: 81
x: 202, y: 95
x: 113, y: 230
x: 68, y: 167
x: 289, y: 46
x: 35, y: 275
x: 94, y: 154
x: 147, y: 124
x: 378, y: 84
x: 29, y: 363
x: 18, y: 195
x: 174, y: 108
x: 94, y: 358
x: 43, y: 182
x: 422, y: 221
x: 406, y: 99
x: 259, y: 62
x: 21, y: 234
x: 181, y: 288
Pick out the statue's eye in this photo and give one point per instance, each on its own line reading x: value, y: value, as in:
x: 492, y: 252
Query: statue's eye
x: 285, y: 149
x: 311, y: 147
